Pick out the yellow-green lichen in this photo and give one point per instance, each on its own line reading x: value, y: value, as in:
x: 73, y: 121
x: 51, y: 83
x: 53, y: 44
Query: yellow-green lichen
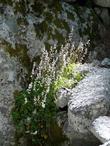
x: 67, y: 77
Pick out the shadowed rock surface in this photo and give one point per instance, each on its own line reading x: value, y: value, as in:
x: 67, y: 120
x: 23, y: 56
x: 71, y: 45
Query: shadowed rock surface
x: 8, y: 85
x: 103, y: 3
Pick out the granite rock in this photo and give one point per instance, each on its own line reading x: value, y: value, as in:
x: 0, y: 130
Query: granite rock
x: 90, y: 99
x: 101, y: 128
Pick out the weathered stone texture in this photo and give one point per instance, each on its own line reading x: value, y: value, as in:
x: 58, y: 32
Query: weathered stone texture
x: 90, y: 99
x: 103, y: 3
x: 101, y: 128
x: 8, y: 84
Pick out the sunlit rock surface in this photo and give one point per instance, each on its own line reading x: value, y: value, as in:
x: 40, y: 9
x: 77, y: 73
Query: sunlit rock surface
x: 106, y: 144
x: 101, y: 128
x: 64, y: 94
x: 90, y: 99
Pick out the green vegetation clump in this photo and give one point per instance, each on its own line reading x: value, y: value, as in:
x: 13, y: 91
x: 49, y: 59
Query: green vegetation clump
x: 67, y: 77
x: 34, y: 113
x: 34, y: 118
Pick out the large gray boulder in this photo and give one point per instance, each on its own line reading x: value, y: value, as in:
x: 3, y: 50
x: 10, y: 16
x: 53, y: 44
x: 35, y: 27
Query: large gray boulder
x: 103, y: 3
x: 64, y: 94
x: 101, y: 128
x: 90, y: 99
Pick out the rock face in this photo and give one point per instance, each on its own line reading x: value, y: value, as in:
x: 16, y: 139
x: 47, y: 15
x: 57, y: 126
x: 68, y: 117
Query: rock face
x: 105, y: 16
x: 106, y: 63
x: 44, y: 25
x: 101, y: 128
x: 24, y: 30
x: 106, y: 144
x: 87, y: 101
x: 8, y: 85
x: 103, y: 3
x: 103, y: 13
x: 90, y: 99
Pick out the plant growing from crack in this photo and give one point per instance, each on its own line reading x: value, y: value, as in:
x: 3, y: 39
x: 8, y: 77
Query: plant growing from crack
x: 34, y: 113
